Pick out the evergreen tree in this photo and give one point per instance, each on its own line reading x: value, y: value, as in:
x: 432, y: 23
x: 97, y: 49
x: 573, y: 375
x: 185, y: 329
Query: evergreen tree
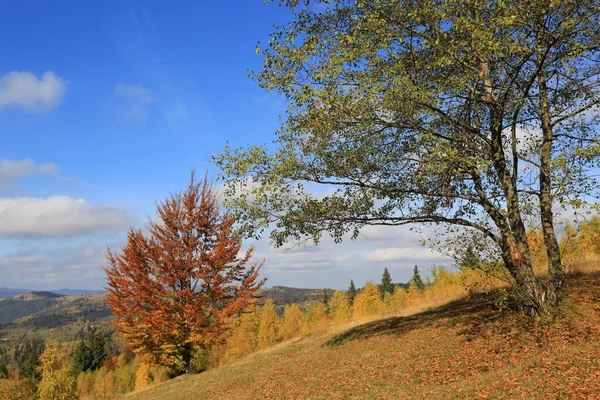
x: 386, y: 283
x: 26, y: 356
x: 325, y: 298
x: 351, y: 292
x: 29, y: 369
x: 416, y: 279
x: 81, y: 358
x: 90, y: 353
x: 97, y: 344
x: 3, y: 368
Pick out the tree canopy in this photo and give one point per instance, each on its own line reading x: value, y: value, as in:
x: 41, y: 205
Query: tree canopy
x: 177, y: 285
x: 480, y: 116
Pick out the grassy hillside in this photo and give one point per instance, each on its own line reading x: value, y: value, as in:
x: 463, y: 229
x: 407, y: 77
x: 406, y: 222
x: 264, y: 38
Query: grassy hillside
x: 466, y: 349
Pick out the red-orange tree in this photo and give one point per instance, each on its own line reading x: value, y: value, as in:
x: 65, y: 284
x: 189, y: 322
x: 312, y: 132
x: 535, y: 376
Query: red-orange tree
x: 174, y: 288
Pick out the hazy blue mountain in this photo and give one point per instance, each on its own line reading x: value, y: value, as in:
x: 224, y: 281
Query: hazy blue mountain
x: 6, y: 292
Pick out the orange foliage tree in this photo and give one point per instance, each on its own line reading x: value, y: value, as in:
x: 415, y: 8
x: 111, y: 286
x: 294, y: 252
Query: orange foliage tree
x: 176, y: 287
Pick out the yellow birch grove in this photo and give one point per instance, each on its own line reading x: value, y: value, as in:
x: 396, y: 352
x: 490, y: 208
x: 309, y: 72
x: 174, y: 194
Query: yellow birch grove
x: 243, y: 338
x: 399, y: 298
x: 589, y: 235
x: 318, y: 317
x: 414, y: 295
x: 368, y: 301
x: 293, y: 322
x: 105, y: 384
x: 57, y: 383
x: 268, y: 329
x: 340, y: 308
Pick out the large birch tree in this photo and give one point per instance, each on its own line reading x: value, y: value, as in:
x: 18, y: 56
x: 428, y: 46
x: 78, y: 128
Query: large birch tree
x: 480, y: 115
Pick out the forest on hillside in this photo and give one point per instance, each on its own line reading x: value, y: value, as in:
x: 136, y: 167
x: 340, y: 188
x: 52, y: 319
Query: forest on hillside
x: 474, y: 123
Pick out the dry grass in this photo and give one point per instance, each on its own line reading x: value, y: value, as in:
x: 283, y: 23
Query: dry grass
x: 465, y: 349
x: 585, y: 263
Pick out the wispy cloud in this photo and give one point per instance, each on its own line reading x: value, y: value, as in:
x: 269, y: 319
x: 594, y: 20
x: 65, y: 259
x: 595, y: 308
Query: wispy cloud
x: 177, y: 98
x: 89, y: 185
x: 175, y: 113
x: 24, y: 90
x: 134, y: 92
x: 12, y: 171
x: 135, y: 100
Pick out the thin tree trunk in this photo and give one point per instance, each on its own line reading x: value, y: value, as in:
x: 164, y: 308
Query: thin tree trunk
x: 556, y: 274
x: 187, y: 357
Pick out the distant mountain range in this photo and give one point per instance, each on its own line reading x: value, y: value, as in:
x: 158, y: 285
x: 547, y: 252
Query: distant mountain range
x: 41, y: 313
x: 6, y: 292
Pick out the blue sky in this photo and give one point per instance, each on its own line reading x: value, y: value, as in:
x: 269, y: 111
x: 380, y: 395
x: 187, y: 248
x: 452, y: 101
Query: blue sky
x: 106, y: 106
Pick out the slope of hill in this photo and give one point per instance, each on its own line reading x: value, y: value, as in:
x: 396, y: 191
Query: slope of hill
x: 466, y: 349
x: 22, y: 305
x: 42, y: 313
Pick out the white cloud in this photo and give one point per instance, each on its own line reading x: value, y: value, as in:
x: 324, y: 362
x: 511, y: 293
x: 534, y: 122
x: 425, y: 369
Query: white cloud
x: 42, y: 263
x: 11, y: 170
x: 57, y: 216
x: 25, y: 90
x: 403, y: 253
x: 529, y: 140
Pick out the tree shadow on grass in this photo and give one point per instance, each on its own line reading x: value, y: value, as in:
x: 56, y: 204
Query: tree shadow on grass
x: 473, y: 314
